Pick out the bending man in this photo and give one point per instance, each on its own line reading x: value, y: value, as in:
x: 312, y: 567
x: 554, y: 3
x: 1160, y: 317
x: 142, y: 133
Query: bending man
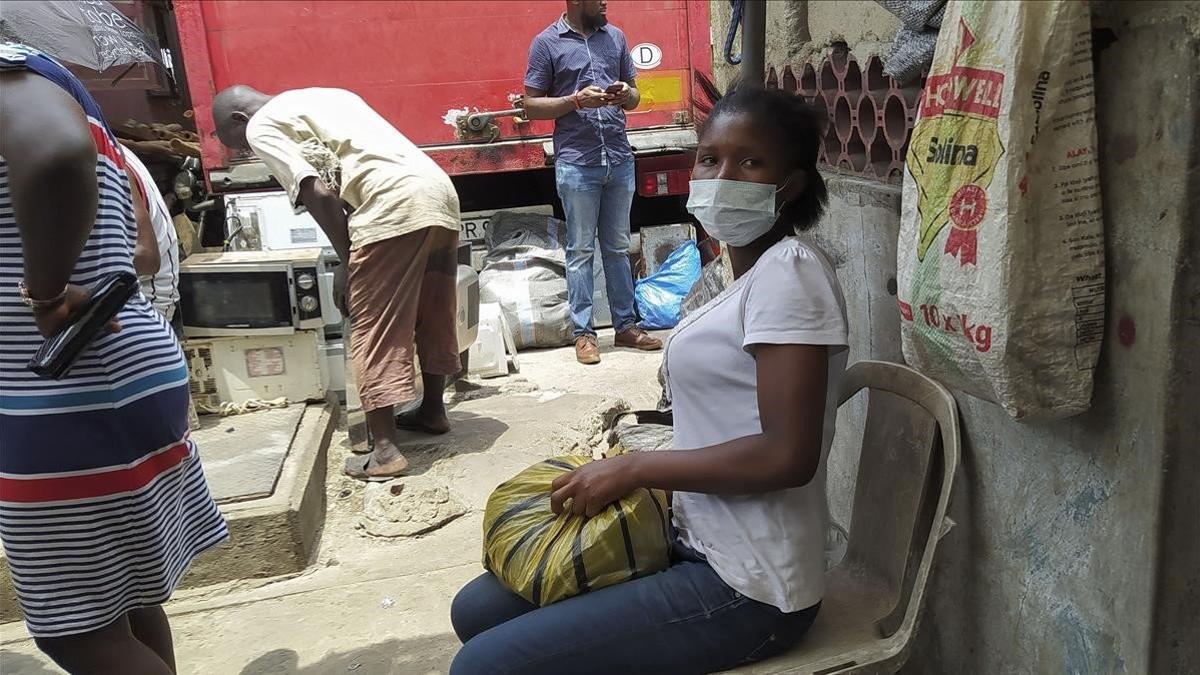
x: 392, y: 216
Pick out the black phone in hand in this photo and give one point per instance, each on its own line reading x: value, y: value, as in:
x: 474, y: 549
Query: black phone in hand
x: 59, y: 353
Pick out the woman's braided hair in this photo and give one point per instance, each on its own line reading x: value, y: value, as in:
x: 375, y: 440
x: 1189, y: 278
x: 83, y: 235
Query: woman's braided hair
x: 797, y: 128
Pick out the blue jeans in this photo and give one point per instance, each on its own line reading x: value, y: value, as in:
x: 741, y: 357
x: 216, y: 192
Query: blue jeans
x: 682, y: 620
x: 596, y: 200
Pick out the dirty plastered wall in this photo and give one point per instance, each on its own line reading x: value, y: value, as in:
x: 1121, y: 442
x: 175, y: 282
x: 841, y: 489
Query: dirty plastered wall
x: 797, y: 29
x: 1077, y: 544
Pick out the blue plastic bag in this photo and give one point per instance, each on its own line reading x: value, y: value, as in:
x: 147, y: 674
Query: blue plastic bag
x: 660, y: 294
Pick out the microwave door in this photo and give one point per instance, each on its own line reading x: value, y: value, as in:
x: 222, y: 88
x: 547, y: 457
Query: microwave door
x: 330, y: 314
x: 237, y: 302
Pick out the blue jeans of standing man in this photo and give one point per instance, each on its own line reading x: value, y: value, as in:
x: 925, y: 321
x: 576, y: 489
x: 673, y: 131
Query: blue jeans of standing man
x: 596, y: 200
x: 682, y: 620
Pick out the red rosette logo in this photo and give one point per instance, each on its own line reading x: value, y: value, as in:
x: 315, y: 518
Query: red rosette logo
x: 967, y: 208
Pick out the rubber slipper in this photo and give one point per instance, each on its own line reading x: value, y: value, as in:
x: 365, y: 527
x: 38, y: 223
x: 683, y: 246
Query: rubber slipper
x: 408, y: 421
x: 356, y: 467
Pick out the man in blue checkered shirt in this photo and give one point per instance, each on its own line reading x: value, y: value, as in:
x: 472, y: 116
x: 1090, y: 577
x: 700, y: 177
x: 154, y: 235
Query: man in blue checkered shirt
x: 581, y: 76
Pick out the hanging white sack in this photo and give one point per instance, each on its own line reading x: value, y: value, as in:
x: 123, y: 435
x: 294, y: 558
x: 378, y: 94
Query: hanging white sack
x: 1001, y: 251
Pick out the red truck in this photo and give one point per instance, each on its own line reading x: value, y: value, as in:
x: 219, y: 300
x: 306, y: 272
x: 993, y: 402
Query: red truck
x: 446, y: 74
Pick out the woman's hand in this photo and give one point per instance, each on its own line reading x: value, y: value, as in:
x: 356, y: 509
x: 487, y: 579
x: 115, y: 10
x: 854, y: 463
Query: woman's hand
x: 594, y: 485
x: 52, y: 320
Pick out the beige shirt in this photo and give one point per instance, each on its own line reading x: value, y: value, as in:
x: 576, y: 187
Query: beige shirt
x: 392, y: 186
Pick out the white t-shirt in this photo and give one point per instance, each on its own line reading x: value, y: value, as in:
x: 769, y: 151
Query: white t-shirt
x: 161, y: 289
x: 392, y: 185
x: 769, y: 547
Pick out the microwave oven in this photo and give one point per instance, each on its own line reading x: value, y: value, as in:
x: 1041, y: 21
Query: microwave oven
x: 256, y: 293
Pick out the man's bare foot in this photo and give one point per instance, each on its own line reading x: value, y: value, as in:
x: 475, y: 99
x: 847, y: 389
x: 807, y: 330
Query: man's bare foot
x: 384, y: 463
x: 420, y: 421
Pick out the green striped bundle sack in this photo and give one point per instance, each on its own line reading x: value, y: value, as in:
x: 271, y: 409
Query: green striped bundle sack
x: 545, y: 557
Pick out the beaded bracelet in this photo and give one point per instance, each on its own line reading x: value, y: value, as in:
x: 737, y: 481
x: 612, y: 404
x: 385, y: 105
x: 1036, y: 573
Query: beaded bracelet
x: 33, y: 302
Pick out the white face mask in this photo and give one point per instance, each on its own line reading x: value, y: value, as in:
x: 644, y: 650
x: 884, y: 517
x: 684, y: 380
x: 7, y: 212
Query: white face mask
x: 733, y: 211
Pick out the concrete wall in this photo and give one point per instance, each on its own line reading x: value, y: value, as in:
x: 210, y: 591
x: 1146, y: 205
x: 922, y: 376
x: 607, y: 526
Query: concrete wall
x: 1077, y: 545
x: 797, y: 29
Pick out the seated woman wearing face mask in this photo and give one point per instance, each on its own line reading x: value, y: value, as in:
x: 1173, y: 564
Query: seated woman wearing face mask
x: 753, y: 376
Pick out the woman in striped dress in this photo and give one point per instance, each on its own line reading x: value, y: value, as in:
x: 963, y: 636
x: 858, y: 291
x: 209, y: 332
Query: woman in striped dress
x: 103, y: 502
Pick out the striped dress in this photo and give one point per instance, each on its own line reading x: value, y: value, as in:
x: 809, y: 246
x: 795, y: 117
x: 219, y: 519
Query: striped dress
x: 103, y: 502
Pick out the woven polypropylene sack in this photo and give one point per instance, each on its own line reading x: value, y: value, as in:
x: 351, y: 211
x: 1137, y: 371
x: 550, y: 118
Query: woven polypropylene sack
x: 545, y: 557
x: 1001, y: 248
x: 532, y: 294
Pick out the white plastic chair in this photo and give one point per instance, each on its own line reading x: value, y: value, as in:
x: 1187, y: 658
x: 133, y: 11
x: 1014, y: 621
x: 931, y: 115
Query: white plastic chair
x: 874, y: 597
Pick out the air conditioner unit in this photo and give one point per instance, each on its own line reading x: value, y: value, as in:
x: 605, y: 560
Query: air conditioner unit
x: 280, y: 228
x: 238, y: 369
x: 466, y: 316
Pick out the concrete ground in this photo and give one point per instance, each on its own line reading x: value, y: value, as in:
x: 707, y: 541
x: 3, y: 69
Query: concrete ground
x: 244, y: 453
x: 377, y: 598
